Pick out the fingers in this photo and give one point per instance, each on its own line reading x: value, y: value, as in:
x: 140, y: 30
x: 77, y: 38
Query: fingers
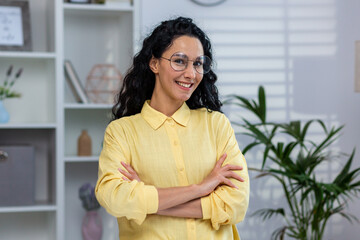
x: 229, y: 183
x: 232, y: 167
x: 129, y: 172
x: 228, y: 171
x: 128, y: 167
x: 125, y: 173
x: 221, y: 160
x: 231, y: 174
x: 227, y: 166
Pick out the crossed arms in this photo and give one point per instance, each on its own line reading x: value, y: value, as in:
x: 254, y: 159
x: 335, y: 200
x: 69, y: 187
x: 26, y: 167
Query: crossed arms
x: 186, y: 201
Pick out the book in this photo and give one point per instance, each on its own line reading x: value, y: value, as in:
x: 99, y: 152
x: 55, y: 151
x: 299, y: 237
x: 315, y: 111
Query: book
x: 75, y: 83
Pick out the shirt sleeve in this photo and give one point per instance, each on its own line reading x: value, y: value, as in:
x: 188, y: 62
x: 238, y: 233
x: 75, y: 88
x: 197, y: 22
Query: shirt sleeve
x: 227, y: 205
x: 133, y: 200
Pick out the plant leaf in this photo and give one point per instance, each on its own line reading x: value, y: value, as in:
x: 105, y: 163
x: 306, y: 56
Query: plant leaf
x: 340, y: 177
x: 262, y: 104
x: 248, y: 147
x: 267, y: 213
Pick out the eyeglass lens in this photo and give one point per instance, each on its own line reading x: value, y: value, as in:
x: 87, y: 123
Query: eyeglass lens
x: 179, y: 62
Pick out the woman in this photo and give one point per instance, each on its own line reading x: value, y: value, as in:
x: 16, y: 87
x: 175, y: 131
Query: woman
x: 170, y: 167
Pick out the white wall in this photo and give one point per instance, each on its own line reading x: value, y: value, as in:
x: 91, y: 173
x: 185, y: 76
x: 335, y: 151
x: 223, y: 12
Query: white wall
x: 302, y: 51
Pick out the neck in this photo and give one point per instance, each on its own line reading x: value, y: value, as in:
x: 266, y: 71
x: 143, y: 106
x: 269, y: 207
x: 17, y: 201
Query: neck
x: 166, y: 107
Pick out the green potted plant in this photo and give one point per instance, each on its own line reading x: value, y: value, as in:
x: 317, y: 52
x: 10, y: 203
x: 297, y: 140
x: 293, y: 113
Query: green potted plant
x: 310, y: 202
x: 7, y: 92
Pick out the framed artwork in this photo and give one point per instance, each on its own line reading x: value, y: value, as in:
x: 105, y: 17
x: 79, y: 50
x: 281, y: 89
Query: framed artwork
x: 15, y: 31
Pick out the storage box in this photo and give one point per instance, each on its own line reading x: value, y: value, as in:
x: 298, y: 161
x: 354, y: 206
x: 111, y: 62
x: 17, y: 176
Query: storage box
x: 17, y: 175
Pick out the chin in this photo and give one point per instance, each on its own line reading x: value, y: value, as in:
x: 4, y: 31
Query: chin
x: 184, y: 98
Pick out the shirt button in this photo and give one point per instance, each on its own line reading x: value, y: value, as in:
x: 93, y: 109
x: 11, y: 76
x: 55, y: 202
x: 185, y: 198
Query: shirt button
x: 175, y: 143
x: 181, y: 169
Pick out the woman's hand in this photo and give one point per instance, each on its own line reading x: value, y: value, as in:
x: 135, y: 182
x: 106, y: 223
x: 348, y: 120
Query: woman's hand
x: 129, y: 174
x: 220, y: 175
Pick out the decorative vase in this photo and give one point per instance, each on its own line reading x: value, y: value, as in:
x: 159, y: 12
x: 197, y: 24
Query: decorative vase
x: 4, y: 115
x: 92, y: 226
x: 84, y: 144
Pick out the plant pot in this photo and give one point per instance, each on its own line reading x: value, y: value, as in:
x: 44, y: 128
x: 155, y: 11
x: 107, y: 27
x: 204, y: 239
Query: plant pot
x: 4, y: 115
x: 92, y: 226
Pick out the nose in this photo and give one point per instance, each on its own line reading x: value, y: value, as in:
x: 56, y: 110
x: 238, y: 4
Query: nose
x: 190, y: 71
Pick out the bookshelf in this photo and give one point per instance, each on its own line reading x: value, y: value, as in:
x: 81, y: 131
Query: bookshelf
x: 48, y: 117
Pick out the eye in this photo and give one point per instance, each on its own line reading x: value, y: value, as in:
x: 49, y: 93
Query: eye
x: 179, y: 61
x: 198, y: 63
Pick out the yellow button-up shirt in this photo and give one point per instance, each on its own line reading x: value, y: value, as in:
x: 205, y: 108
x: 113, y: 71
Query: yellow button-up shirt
x: 169, y: 152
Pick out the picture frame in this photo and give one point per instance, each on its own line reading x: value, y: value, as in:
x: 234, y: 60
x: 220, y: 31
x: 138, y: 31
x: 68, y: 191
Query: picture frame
x: 75, y: 83
x: 15, y: 26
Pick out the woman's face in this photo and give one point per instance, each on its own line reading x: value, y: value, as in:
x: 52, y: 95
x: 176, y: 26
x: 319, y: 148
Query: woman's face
x: 177, y: 86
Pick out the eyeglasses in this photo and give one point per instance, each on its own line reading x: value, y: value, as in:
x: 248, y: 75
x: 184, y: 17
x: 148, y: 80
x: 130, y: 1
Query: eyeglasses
x: 179, y: 62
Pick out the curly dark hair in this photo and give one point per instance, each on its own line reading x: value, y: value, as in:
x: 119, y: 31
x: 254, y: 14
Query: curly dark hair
x: 139, y: 81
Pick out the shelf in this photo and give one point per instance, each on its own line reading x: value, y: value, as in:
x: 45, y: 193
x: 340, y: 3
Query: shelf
x: 29, y: 55
x: 87, y: 106
x: 28, y: 126
x: 107, y: 7
x: 35, y: 208
x: 76, y: 159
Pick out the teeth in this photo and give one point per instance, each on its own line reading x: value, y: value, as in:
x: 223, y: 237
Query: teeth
x: 184, y: 84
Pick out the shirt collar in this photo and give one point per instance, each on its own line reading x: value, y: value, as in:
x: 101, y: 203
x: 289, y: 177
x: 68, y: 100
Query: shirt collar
x: 156, y: 118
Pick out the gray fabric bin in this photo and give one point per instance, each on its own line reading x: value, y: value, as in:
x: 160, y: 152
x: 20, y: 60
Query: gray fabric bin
x: 17, y: 175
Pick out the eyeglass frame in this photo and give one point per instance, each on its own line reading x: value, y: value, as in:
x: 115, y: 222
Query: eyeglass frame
x: 188, y: 60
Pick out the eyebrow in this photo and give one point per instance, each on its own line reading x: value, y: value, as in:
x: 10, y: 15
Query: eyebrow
x: 186, y: 55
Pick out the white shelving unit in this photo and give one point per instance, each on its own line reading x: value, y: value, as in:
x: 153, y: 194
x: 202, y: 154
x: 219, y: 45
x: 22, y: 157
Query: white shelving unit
x: 48, y: 117
x: 28, y: 126
x: 33, y: 121
x: 114, y: 7
x: 87, y: 106
x: 32, y: 55
x: 36, y: 208
x: 76, y: 159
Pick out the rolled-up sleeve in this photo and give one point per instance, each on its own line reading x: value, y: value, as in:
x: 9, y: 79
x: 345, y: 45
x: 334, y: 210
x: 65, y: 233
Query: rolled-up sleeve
x: 133, y: 200
x: 227, y: 205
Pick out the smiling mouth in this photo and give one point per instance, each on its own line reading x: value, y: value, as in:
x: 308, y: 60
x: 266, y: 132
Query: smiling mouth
x: 187, y: 85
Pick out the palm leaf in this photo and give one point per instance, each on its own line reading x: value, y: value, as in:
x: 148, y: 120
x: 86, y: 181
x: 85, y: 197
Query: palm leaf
x: 349, y: 217
x: 322, y: 125
x: 267, y: 213
x: 250, y: 146
x: 266, y: 152
x: 341, y: 176
x: 262, y: 104
x: 279, y: 233
x: 331, y: 137
x: 245, y: 103
x: 259, y: 135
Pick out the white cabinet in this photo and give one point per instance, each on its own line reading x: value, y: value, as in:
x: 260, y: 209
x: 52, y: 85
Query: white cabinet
x: 48, y: 117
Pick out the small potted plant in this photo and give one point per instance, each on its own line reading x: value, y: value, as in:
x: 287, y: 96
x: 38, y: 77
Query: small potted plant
x: 91, y: 226
x: 7, y: 92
